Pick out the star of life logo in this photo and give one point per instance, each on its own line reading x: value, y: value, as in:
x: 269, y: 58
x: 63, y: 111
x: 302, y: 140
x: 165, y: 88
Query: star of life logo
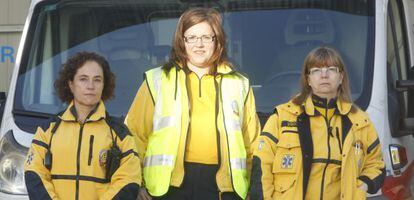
x: 287, y: 161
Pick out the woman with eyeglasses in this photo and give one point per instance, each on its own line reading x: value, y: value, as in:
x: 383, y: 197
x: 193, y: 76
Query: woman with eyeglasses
x: 319, y: 145
x: 194, y: 118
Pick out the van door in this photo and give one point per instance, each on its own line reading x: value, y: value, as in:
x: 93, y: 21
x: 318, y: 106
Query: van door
x: 400, y: 72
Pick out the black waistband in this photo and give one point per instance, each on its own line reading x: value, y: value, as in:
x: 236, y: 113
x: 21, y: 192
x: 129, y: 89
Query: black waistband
x: 323, y: 160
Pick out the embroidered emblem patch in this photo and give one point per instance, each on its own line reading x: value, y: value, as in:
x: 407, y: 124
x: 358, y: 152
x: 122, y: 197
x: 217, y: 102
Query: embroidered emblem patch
x: 29, y: 158
x: 358, y: 145
x: 287, y: 161
x: 261, y: 144
x: 102, y: 157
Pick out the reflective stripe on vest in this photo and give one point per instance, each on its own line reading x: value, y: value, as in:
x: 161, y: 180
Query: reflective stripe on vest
x: 238, y: 163
x: 158, y: 160
x: 163, y: 122
x: 163, y: 143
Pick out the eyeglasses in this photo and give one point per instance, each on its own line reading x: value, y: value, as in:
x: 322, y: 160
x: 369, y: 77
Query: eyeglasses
x: 317, y: 71
x: 204, y: 38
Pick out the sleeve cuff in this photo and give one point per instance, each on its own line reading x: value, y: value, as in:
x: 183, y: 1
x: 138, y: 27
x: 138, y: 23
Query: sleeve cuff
x: 370, y: 184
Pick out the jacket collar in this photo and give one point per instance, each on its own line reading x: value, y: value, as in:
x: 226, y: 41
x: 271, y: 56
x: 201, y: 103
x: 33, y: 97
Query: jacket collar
x: 309, y: 105
x: 225, y: 69
x: 357, y: 119
x: 323, y: 102
x: 98, y: 113
x: 221, y: 69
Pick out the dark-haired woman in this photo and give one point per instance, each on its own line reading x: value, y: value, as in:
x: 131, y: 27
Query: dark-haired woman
x: 319, y: 145
x: 83, y: 153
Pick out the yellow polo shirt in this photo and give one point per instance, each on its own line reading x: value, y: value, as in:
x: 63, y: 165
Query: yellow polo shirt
x: 202, y: 135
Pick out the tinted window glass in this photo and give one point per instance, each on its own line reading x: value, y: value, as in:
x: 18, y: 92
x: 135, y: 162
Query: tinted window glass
x: 267, y: 41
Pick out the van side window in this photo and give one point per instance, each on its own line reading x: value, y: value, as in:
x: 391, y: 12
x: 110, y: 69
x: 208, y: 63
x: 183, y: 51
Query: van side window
x: 398, y: 66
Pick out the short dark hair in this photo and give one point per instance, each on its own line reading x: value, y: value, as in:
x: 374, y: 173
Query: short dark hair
x: 71, y: 66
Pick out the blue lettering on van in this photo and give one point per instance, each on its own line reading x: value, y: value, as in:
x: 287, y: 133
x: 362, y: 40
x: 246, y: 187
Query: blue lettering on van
x: 6, y: 54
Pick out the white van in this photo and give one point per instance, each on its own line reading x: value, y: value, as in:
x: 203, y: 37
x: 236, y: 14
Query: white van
x: 267, y: 40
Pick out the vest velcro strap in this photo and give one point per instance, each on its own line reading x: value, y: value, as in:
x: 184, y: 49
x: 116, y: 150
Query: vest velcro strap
x: 163, y: 122
x: 159, y: 160
x: 238, y: 163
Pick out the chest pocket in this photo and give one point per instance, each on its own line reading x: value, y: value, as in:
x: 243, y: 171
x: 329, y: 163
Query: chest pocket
x: 286, y: 165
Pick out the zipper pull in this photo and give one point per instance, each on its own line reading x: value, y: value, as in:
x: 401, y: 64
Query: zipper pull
x: 330, y: 131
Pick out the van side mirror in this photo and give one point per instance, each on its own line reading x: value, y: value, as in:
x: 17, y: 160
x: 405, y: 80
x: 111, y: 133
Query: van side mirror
x: 2, y: 104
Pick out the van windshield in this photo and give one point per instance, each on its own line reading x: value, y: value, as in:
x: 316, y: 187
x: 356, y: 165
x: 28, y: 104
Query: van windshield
x: 266, y: 40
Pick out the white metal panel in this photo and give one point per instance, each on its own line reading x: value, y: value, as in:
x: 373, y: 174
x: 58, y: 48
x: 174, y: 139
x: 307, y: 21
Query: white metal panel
x: 409, y: 17
x: 378, y: 107
x: 8, y: 122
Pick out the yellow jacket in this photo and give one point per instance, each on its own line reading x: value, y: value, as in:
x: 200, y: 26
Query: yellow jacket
x: 288, y: 134
x: 79, y: 159
x: 140, y: 121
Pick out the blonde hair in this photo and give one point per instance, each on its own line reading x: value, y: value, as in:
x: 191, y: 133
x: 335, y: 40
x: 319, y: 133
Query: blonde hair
x: 321, y: 57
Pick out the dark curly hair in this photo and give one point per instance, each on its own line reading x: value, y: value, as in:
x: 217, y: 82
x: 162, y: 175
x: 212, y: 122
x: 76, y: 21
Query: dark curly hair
x: 69, y: 69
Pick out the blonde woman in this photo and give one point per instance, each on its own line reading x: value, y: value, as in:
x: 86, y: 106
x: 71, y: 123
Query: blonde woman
x: 319, y: 145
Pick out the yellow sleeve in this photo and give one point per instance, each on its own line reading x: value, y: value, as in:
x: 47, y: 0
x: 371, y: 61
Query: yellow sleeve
x: 261, y: 186
x: 139, y: 118
x: 127, y: 178
x: 250, y: 129
x: 373, y: 169
x: 37, y: 177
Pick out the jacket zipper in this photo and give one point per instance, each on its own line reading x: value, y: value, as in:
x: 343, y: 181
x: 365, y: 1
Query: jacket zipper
x: 90, y: 149
x: 199, y: 87
x: 78, y: 161
x: 328, y: 128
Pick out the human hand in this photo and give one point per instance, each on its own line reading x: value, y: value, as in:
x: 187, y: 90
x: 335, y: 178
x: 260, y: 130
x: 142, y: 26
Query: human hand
x: 364, y: 187
x: 143, y: 194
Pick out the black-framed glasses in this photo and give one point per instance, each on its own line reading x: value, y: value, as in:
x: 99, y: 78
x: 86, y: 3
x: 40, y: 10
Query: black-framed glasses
x: 317, y: 71
x: 203, y: 38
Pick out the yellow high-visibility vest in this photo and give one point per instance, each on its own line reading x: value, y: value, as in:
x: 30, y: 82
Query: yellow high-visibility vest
x: 169, y: 93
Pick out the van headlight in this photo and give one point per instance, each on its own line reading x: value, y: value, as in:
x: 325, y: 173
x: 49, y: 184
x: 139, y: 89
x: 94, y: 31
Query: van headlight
x: 12, y: 158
